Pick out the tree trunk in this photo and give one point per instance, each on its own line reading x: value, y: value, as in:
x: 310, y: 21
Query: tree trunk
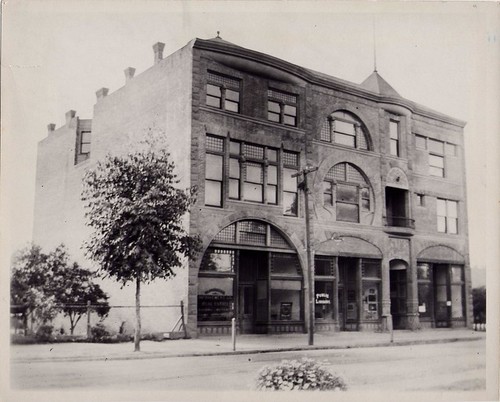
x: 137, y: 334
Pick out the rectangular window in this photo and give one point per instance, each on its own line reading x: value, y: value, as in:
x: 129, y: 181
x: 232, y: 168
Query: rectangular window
x: 420, y: 200
x: 234, y: 178
x: 420, y: 142
x: 347, y: 203
x: 436, y: 146
x: 327, y: 193
x: 82, y: 151
x: 394, y: 134
x: 344, y: 133
x: 436, y: 165
x: 282, y: 107
x: 457, y: 292
x: 447, y: 216
x: 323, y: 295
x: 254, y: 182
x: 213, y: 180
x: 290, y: 184
x: 223, y: 92
x: 450, y: 149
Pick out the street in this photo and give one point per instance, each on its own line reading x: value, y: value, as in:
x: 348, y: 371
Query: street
x: 457, y: 366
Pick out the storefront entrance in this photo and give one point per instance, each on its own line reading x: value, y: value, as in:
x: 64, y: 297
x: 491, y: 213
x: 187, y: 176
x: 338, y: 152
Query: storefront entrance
x: 348, y: 294
x: 254, y: 277
x: 398, y: 285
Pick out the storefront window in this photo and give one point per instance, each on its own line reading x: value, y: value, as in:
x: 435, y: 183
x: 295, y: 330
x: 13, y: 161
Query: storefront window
x: 215, y: 299
x: 285, y: 300
x: 323, y: 291
x: 424, y: 299
x: 371, y: 300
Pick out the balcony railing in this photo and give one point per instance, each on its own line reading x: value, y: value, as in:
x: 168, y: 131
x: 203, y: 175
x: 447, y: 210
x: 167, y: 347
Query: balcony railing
x: 400, y: 221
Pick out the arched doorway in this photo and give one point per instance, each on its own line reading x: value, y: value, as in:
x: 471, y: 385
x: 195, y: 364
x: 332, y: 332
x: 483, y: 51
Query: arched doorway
x: 398, y: 292
x: 250, y: 272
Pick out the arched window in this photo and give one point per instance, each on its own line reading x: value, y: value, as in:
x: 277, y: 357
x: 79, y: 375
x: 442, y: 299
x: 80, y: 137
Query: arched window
x: 347, y: 191
x: 345, y: 129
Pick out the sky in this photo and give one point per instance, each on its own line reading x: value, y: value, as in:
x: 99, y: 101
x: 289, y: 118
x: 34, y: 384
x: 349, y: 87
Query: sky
x: 446, y: 56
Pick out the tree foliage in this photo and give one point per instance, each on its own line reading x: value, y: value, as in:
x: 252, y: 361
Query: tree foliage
x: 44, y: 284
x: 479, y: 304
x: 136, y: 214
x: 135, y: 208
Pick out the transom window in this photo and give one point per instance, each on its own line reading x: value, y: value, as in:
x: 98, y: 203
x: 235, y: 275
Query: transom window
x: 223, y: 92
x: 447, y: 216
x: 282, y: 107
x: 346, y: 189
x: 345, y: 129
x: 251, y: 232
x: 254, y: 173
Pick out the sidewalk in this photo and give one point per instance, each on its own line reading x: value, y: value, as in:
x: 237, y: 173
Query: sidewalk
x: 222, y: 345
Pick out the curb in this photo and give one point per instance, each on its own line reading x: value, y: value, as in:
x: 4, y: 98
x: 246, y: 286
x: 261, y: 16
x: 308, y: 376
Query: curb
x: 154, y: 355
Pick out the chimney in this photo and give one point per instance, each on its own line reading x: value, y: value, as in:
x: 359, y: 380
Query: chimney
x: 129, y: 73
x: 69, y: 116
x: 101, y: 93
x: 50, y: 128
x: 158, y: 49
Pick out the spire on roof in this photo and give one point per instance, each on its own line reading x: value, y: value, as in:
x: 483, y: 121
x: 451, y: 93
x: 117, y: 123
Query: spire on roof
x: 376, y: 83
x: 218, y: 35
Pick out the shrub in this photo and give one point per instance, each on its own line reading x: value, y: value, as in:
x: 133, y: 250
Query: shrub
x: 99, y: 333
x: 44, y: 333
x: 304, y: 374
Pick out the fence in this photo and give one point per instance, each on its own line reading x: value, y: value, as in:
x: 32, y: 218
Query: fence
x: 167, y: 320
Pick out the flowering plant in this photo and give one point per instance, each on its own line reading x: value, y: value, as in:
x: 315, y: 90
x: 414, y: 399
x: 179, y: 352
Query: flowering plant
x: 304, y: 374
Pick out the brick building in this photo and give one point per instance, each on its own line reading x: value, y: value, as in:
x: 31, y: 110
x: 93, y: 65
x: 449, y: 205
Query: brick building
x: 387, y: 202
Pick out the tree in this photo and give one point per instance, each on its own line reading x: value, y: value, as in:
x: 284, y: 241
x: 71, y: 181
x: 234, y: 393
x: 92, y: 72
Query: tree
x: 79, y: 289
x: 43, y: 284
x: 31, y: 283
x: 479, y: 304
x: 136, y: 213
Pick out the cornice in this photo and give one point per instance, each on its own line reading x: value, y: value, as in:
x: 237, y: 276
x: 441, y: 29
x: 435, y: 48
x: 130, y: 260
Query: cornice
x: 321, y: 79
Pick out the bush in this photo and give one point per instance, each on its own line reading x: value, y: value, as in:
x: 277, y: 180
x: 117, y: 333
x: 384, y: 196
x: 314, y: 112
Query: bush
x: 99, y: 333
x: 304, y: 374
x: 479, y: 304
x: 44, y: 333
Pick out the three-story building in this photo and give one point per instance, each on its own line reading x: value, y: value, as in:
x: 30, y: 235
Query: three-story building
x: 387, y: 202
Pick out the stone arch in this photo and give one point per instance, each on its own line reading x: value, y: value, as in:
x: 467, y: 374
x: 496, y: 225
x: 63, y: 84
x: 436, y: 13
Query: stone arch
x: 398, y: 264
x: 397, y: 178
x: 296, y: 244
x: 441, y: 253
x: 349, y: 245
x: 325, y: 174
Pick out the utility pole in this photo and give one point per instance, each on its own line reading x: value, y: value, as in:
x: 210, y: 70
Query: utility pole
x: 310, y: 260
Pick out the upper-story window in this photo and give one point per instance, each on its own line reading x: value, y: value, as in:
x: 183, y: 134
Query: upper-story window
x: 345, y: 129
x: 438, y: 151
x: 253, y: 173
x: 223, y: 92
x: 394, y: 137
x: 346, y: 189
x: 82, y: 150
x: 282, y: 107
x: 447, y: 216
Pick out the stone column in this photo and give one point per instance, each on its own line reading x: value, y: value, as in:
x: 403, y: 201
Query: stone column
x: 386, y: 296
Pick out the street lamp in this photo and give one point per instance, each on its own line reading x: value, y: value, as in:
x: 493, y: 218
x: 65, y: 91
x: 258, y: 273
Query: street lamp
x: 310, y: 261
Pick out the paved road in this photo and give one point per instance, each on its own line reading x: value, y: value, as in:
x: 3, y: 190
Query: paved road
x: 436, y: 367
